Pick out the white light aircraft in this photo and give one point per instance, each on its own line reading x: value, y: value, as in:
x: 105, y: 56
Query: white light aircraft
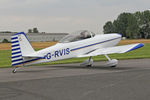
x: 78, y: 44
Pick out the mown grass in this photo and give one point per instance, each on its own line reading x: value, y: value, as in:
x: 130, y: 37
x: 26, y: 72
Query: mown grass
x: 5, y: 57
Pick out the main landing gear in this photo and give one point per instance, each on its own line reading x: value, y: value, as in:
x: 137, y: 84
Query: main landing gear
x: 111, y: 62
x: 88, y: 62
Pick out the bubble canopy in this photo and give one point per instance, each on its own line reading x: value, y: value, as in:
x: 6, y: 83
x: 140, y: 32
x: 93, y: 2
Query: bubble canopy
x: 76, y: 36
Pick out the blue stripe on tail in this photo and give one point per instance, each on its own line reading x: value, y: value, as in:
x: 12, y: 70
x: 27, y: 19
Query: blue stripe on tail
x: 15, y: 42
x: 16, y: 56
x: 15, y: 49
x: 13, y: 38
x: 17, y: 60
x: 15, y: 45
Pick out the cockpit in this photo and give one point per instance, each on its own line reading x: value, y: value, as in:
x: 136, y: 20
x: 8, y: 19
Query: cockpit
x: 76, y: 36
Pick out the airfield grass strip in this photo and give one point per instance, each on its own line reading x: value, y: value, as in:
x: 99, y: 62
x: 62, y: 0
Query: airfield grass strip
x: 5, y: 57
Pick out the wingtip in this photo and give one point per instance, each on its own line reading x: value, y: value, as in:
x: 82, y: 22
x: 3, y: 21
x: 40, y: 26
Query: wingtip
x: 142, y: 44
x: 139, y: 45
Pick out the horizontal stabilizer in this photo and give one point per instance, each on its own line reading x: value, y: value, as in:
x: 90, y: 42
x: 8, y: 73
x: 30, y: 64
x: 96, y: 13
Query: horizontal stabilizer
x: 34, y: 55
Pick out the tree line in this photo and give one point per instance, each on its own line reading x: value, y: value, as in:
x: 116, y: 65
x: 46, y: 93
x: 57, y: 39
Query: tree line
x: 130, y: 25
x: 34, y: 30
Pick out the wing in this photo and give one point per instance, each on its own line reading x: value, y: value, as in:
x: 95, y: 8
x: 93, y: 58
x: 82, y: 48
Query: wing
x: 111, y: 50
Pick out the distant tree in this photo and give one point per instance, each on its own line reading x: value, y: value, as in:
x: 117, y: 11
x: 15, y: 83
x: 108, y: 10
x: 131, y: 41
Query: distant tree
x: 5, y: 41
x: 35, y: 30
x: 145, y: 26
x: 29, y: 30
x: 122, y: 23
x: 132, y: 30
x: 108, y: 27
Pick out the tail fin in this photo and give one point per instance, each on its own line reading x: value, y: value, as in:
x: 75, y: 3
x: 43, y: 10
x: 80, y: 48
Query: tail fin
x: 20, y: 46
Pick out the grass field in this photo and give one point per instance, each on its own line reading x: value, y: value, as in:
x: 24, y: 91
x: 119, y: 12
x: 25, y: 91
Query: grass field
x: 5, y: 53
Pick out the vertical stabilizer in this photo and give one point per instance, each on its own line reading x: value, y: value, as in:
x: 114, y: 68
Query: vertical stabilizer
x: 20, y: 46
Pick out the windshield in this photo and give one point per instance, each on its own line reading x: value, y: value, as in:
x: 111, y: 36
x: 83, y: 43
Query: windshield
x: 79, y: 35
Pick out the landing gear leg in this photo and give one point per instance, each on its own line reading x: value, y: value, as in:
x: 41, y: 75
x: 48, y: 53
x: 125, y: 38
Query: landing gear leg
x: 111, y: 63
x: 88, y: 62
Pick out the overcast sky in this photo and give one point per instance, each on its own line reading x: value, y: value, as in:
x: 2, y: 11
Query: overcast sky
x: 64, y: 15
